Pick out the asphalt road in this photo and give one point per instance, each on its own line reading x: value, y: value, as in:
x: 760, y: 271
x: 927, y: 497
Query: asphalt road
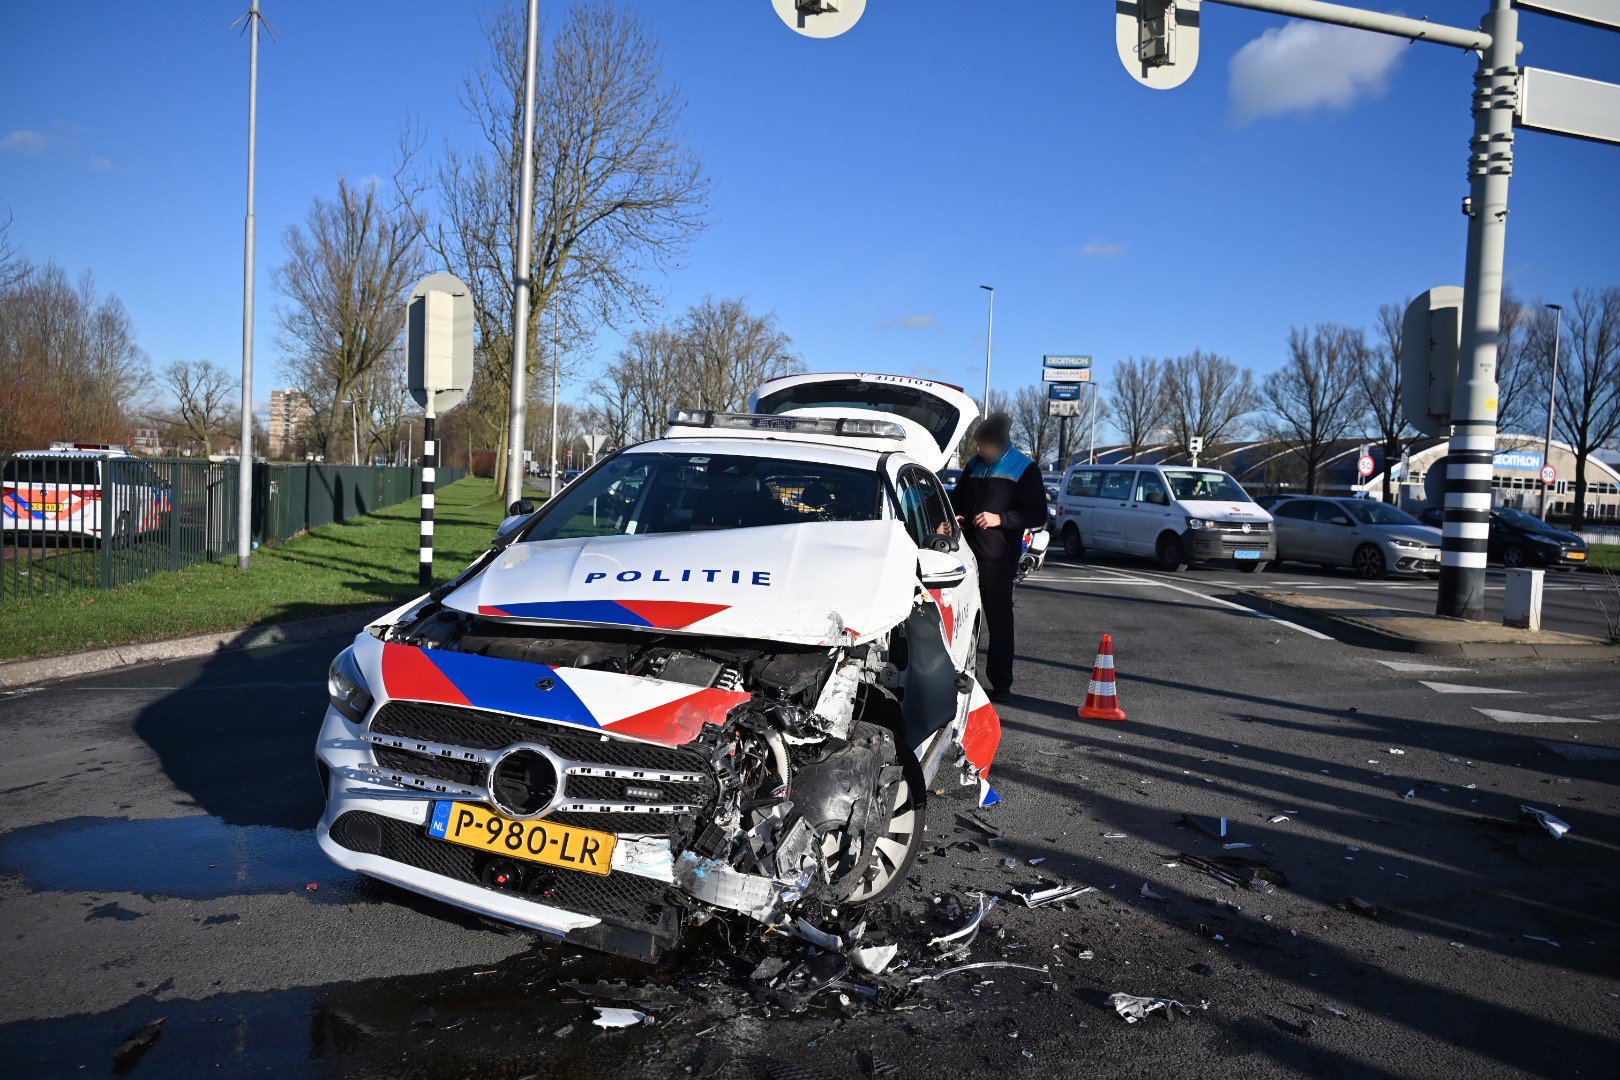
x: 1572, y: 602
x: 157, y: 864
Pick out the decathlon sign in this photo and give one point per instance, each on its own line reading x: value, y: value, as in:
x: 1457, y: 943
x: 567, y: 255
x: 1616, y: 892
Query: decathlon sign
x: 1517, y: 460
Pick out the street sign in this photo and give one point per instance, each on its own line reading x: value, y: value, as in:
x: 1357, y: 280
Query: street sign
x: 1432, y: 333
x: 1568, y: 105
x: 1157, y: 40
x: 1365, y: 466
x: 1066, y: 375
x: 1548, y: 475
x: 1599, y: 13
x: 1050, y: 361
x: 820, y: 18
x: 1064, y: 408
x: 1195, y: 445
x: 593, y: 442
x: 1064, y: 391
x: 439, y: 342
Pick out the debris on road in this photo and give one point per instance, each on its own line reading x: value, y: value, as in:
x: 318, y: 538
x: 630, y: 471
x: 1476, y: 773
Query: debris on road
x: 1036, y: 897
x: 981, y: 966
x: 1149, y: 894
x: 959, y: 940
x: 1362, y: 907
x: 612, y: 1017
x: 1540, y: 817
x: 1277, y: 818
x: 1210, y: 826
x: 127, y: 1054
x: 873, y: 959
x: 421, y: 1016
x: 1237, y: 871
x: 1134, y: 1008
x: 1543, y: 940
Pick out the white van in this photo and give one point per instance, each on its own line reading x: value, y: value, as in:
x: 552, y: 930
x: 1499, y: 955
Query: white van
x: 1171, y: 513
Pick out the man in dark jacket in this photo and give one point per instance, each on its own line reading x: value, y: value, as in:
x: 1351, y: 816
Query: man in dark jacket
x: 999, y: 496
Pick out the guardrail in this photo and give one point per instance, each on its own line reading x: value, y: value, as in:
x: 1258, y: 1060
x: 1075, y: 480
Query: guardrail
x: 72, y: 523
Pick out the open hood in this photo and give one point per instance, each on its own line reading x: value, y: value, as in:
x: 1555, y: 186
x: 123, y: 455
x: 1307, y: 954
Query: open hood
x: 935, y: 415
x: 819, y: 583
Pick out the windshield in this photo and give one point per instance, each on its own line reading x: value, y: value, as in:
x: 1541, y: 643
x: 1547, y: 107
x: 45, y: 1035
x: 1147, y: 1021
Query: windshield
x: 644, y: 494
x: 1528, y: 522
x: 1369, y: 512
x: 1198, y: 485
x: 916, y: 405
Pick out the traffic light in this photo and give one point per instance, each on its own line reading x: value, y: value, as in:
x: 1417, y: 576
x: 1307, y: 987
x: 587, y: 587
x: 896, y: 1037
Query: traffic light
x: 1431, y: 339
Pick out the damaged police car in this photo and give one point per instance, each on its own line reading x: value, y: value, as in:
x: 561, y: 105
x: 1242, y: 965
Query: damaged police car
x: 716, y: 674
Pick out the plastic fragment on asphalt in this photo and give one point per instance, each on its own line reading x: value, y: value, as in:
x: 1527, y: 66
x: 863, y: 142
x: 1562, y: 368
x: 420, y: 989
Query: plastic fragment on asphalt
x: 610, y: 1017
x: 1392, y: 750
x: 1543, y: 940
x: 1149, y: 894
x: 1235, y: 846
x: 1410, y: 794
x: 1113, y: 836
x: 1276, y: 819
x: 873, y: 959
x: 1209, y: 826
x: 982, y: 966
x: 563, y: 1032
x: 1134, y: 1008
x: 1540, y: 817
x: 1362, y: 907
x: 1037, y: 897
x: 818, y: 937
x: 964, y: 937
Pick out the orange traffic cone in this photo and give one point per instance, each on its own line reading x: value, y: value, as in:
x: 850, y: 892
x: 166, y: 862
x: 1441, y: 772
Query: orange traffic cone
x: 1102, y: 700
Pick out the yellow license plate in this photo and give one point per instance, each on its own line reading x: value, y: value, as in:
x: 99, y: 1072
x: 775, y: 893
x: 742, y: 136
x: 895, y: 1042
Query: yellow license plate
x: 1576, y: 555
x: 538, y: 841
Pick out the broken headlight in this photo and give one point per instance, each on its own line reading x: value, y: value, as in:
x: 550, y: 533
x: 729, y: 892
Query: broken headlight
x: 347, y: 687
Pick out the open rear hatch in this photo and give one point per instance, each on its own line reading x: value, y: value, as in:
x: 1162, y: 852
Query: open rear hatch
x: 935, y: 415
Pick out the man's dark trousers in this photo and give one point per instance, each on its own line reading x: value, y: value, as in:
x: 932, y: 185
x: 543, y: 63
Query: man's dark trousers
x: 996, y: 578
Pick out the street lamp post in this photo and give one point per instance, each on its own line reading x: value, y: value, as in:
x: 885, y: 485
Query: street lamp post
x: 354, y: 425
x: 1552, y: 400
x: 989, y: 337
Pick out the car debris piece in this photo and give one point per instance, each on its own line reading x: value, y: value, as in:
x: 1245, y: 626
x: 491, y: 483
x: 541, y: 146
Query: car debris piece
x: 1113, y: 836
x: 959, y: 940
x: 1543, y: 940
x: 1149, y: 894
x: 1277, y: 818
x: 1134, y: 1008
x: 1036, y: 897
x: 1210, y: 826
x: 608, y: 1016
x: 981, y: 966
x: 1540, y: 817
x: 421, y: 1016
x: 127, y: 1054
x: 1362, y: 907
x: 873, y: 959
x: 1240, y: 872
x: 817, y: 936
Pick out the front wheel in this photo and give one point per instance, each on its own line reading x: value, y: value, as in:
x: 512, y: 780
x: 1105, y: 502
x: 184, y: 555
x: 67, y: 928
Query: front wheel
x: 1072, y: 547
x: 1513, y: 557
x: 1369, y: 563
x: 1172, y: 553
x: 896, y: 850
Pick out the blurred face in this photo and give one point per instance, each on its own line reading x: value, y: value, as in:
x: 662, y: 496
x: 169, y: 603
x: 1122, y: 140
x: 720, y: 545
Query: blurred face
x: 990, y: 450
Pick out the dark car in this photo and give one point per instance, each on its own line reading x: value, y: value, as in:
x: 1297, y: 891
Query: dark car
x: 1521, y: 539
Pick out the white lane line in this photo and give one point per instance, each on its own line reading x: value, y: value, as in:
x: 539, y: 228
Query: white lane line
x: 1503, y: 716
x: 1096, y: 580
x: 1606, y: 716
x: 1459, y: 688
x: 1322, y: 587
x: 1229, y: 604
x: 1408, y: 665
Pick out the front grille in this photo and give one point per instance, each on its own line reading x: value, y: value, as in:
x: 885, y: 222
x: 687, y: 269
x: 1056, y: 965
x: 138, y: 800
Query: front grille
x: 478, y: 729
x: 1255, y: 528
x: 623, y: 899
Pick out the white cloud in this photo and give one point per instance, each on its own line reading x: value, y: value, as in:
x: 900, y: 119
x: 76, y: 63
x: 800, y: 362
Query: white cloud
x: 25, y: 143
x: 1100, y: 249
x: 911, y: 322
x: 1303, y: 66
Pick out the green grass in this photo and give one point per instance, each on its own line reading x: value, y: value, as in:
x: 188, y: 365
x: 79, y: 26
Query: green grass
x: 1604, y: 555
x: 361, y: 563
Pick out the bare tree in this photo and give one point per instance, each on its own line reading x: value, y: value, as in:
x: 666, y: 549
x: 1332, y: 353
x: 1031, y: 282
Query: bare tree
x: 1140, y: 402
x: 205, y: 404
x: 1518, y: 366
x: 1034, y: 430
x: 13, y: 267
x: 1378, y: 386
x: 1209, y: 397
x: 69, y: 364
x: 618, y: 192
x: 347, y: 272
x: 1311, y: 400
x: 729, y: 351
x: 1587, y: 409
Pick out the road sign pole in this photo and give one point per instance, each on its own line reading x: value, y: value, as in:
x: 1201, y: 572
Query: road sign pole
x: 430, y: 461
x: 522, y: 286
x: 1473, y: 406
x: 244, y: 458
x: 1552, y: 400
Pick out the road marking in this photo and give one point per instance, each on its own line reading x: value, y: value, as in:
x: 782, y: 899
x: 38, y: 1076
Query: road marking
x: 1606, y: 716
x: 1407, y: 665
x: 1459, y: 688
x: 1229, y: 604
x: 1503, y: 716
x: 1097, y: 580
x: 1321, y: 587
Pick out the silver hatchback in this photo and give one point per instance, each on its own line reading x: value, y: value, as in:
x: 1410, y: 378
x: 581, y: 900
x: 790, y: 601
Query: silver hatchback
x: 1372, y: 538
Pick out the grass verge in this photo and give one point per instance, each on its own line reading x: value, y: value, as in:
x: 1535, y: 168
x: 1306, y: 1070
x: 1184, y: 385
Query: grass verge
x: 361, y: 563
x: 1604, y: 555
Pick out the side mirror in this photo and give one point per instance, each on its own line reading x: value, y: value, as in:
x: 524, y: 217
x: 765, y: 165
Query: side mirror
x: 940, y: 569
x: 521, y: 508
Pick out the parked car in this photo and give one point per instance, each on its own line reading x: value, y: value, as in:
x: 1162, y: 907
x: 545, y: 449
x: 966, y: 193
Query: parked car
x: 1370, y: 537
x: 717, y: 673
x: 77, y: 491
x: 1521, y: 539
x: 1173, y: 514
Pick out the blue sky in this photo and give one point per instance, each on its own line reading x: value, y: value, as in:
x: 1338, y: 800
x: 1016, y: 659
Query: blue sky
x: 864, y: 186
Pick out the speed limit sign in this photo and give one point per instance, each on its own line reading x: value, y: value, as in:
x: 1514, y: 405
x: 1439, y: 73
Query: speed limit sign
x: 1365, y: 465
x: 1549, y: 475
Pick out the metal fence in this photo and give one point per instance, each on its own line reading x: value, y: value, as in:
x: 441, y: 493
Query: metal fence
x: 80, y: 521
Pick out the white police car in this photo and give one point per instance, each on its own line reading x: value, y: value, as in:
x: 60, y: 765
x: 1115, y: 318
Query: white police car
x: 716, y: 674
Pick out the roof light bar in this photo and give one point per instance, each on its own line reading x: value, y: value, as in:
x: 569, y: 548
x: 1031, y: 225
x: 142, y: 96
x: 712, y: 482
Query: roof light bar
x: 806, y: 425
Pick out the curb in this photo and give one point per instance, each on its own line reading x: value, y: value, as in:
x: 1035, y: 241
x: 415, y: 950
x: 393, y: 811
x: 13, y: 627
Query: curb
x: 1354, y: 632
x: 52, y: 668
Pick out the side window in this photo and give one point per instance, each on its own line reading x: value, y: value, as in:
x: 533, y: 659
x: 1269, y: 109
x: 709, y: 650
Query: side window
x: 1117, y: 485
x: 1327, y: 512
x: 1297, y: 509
x: 1151, y: 489
x: 926, y: 510
x: 1085, y: 482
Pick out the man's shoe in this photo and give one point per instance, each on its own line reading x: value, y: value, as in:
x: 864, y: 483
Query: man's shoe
x: 998, y: 697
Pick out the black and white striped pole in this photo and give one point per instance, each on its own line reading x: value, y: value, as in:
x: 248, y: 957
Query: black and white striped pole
x: 439, y: 352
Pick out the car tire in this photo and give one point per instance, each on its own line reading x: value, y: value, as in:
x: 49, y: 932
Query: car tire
x: 1072, y: 547
x: 1369, y: 562
x: 896, y: 851
x: 1172, y: 553
x: 1515, y: 557
x: 1253, y: 567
